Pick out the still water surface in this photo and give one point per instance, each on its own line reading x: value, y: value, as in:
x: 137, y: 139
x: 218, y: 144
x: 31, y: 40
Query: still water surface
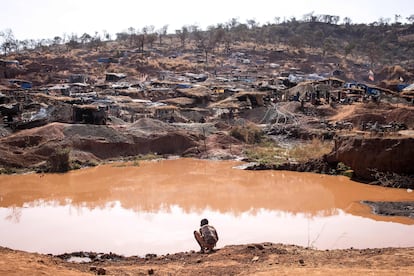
x: 155, y: 207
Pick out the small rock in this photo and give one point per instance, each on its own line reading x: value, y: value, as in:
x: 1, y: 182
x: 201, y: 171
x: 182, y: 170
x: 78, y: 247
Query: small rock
x: 150, y: 271
x: 198, y: 261
x: 259, y: 246
x: 255, y: 259
x: 101, y: 271
x: 302, y: 262
x: 92, y: 268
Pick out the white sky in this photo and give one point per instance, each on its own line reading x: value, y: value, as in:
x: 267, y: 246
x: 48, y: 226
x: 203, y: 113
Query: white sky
x: 49, y: 18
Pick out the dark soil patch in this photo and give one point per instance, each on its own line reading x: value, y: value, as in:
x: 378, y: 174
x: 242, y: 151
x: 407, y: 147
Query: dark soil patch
x: 387, y: 208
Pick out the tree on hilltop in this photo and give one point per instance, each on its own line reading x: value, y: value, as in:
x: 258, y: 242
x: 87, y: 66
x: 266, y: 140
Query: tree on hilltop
x: 9, y: 42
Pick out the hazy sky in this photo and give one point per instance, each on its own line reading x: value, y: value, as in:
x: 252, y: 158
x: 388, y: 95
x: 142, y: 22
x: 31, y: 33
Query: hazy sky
x: 50, y: 18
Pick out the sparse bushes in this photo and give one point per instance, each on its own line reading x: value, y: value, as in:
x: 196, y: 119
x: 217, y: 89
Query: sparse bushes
x: 267, y: 154
x: 394, y: 180
x: 270, y: 153
x: 59, y: 160
x: 249, y: 133
x: 312, y: 150
x: 8, y: 170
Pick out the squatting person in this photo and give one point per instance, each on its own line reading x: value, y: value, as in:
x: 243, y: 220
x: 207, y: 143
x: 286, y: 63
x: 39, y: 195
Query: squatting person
x: 207, y: 236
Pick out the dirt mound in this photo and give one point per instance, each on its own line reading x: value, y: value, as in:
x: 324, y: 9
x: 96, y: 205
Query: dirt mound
x: 32, y: 148
x: 365, y: 155
x: 394, y: 73
x: 222, y: 146
x: 382, y: 113
x: 401, y: 115
x: 27, y: 148
x: 151, y: 126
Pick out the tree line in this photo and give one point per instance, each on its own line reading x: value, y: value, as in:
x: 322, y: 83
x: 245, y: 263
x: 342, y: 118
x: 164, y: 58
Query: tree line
x: 384, y: 40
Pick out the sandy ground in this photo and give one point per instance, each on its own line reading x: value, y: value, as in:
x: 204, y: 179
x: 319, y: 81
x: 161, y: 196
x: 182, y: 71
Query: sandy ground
x: 252, y: 259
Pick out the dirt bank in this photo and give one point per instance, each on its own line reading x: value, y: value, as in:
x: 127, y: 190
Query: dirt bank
x: 31, y: 148
x: 365, y: 155
x: 252, y: 259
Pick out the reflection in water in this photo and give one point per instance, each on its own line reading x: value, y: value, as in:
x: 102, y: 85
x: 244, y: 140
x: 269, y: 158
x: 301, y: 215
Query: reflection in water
x: 15, y: 214
x: 51, y: 228
x: 155, y: 207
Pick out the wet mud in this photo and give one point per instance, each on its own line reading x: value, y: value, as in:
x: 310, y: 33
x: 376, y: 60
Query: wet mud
x: 387, y: 208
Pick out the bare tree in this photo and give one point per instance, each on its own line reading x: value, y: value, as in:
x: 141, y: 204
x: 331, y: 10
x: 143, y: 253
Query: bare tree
x: 106, y: 35
x: 8, y: 41
x: 277, y: 20
x: 85, y: 38
x: 57, y: 40
x: 162, y: 32
x: 252, y: 23
x: 151, y: 38
x: 96, y: 41
x: 183, y: 35
x: 347, y: 21
x: 397, y: 18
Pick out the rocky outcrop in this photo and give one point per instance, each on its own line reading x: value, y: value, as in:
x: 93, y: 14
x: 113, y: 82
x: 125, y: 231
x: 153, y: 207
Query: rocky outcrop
x: 368, y: 154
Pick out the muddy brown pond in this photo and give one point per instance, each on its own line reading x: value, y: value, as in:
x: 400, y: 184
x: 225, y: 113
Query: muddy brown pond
x: 155, y: 207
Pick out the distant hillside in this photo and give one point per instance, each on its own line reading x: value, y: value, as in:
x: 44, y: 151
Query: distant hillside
x: 316, y: 44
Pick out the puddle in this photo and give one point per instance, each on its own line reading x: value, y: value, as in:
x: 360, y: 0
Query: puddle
x: 155, y: 207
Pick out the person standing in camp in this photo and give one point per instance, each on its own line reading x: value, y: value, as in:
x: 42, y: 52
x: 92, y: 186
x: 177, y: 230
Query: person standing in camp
x: 206, y: 237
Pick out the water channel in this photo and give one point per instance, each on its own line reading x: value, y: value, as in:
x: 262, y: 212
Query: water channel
x: 155, y: 207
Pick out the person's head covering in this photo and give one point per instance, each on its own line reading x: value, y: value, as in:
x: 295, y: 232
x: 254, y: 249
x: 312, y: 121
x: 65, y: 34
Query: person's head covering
x: 203, y: 222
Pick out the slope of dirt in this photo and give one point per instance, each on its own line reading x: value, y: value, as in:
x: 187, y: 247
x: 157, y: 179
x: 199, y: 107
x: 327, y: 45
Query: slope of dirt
x: 32, y: 147
x: 381, y: 113
x: 251, y: 259
x: 364, y: 154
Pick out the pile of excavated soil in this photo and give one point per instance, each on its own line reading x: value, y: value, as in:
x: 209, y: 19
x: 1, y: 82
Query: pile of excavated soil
x: 368, y: 155
x: 152, y: 126
x: 222, y: 146
x: 382, y: 113
x: 32, y: 147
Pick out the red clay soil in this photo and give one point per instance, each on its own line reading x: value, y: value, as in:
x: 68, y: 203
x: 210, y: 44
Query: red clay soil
x: 252, y: 259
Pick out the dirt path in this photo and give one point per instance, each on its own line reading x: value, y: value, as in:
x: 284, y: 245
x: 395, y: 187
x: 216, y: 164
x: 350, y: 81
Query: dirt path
x: 253, y: 259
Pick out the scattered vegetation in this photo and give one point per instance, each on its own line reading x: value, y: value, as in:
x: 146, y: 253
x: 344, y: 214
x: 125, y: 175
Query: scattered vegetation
x: 270, y: 153
x: 134, y: 160
x: 249, y: 133
x: 8, y: 170
x: 311, y: 150
x: 393, y: 180
x: 384, y: 41
x: 343, y: 169
x: 59, y: 161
